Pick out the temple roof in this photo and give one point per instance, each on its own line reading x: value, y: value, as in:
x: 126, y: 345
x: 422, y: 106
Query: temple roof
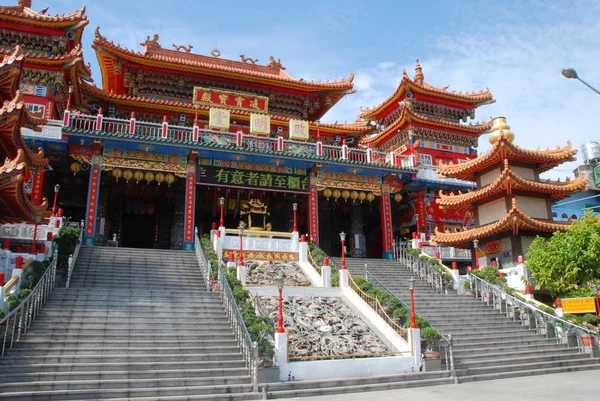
x: 420, y: 89
x: 13, y: 116
x: 26, y: 15
x: 155, y: 56
x: 543, y: 160
x: 409, y: 117
x: 14, y: 203
x: 509, y: 181
x: 162, y: 106
x: 514, y: 221
x: 10, y: 73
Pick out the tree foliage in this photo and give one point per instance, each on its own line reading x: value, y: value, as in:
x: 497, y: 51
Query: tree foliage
x: 568, y: 261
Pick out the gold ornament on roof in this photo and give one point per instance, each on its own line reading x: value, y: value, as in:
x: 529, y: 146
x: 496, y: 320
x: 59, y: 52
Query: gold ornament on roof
x: 248, y: 59
x: 187, y: 49
x: 500, y: 129
x: 215, y: 52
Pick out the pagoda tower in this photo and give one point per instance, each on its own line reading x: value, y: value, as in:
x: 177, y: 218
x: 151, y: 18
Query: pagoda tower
x: 19, y: 160
x: 427, y: 124
x: 512, y: 205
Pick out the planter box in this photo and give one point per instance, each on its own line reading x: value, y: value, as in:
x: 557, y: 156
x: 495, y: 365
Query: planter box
x: 268, y: 375
x: 432, y: 364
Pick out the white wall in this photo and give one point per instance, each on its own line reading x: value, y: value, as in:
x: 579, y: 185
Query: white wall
x: 345, y: 368
x: 533, y: 207
x: 490, y: 176
x: 523, y: 172
x: 309, y: 270
x: 492, y: 211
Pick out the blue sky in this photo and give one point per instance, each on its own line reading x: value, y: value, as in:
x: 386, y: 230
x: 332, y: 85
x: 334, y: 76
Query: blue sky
x: 515, y: 48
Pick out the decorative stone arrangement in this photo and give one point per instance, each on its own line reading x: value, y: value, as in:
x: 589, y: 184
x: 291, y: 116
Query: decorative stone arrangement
x: 265, y: 273
x: 323, y: 327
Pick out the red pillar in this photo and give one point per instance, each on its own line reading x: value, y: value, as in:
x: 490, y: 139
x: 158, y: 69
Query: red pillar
x: 280, y: 328
x: 386, y: 223
x: 313, y: 210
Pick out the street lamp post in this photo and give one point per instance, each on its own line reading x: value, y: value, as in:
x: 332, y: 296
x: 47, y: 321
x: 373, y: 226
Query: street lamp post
x: 241, y: 233
x: 418, y: 228
x: 476, y: 252
x: 56, y: 189
x: 343, y: 240
x: 572, y: 74
x: 280, y: 328
x: 295, y: 209
x: 595, y: 289
x: 413, y: 316
x: 222, y: 205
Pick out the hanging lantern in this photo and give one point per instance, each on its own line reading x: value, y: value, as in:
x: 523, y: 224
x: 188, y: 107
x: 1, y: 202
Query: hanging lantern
x: 149, y: 177
x: 169, y: 179
x: 354, y: 195
x: 362, y: 196
x: 159, y: 177
x: 345, y: 194
x: 127, y: 174
x: 117, y: 173
x: 75, y: 167
x: 327, y: 192
x: 370, y: 197
x: 398, y: 198
x: 336, y: 193
x: 138, y: 175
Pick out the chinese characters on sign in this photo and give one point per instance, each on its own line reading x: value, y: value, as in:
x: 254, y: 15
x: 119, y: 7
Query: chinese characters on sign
x: 313, y: 210
x: 260, y: 124
x: 92, y: 201
x: 189, y: 208
x: 37, y: 188
x: 230, y: 100
x: 579, y: 305
x: 246, y: 178
x: 298, y: 130
x: 219, y: 119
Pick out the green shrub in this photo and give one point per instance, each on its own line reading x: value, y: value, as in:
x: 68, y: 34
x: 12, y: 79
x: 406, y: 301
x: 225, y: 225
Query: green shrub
x: 590, y: 319
x: 429, y: 333
x: 66, y: 243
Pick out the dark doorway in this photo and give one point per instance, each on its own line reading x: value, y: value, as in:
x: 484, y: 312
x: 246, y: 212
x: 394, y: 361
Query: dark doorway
x: 138, y: 230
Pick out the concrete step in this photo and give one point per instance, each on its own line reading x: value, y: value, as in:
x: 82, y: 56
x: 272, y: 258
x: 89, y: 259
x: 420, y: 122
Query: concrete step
x: 515, y: 365
x: 104, y: 350
x: 118, y: 358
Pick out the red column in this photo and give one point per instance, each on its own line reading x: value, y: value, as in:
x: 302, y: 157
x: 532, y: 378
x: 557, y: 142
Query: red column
x: 280, y: 328
x: 89, y: 236
x: 190, y: 208
x: 386, y: 223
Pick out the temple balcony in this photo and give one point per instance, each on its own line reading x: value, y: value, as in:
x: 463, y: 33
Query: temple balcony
x: 85, y: 129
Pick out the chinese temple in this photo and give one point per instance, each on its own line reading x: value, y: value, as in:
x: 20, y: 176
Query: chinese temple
x: 512, y: 205
x: 20, y: 162
x: 424, y: 122
x: 171, y: 134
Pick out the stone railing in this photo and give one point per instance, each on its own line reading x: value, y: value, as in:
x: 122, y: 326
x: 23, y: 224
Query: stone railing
x: 448, y: 253
x: 23, y: 231
x: 261, y: 241
x: 204, y: 137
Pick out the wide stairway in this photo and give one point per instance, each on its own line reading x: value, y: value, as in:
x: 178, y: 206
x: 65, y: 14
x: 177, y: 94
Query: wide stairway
x: 487, y: 344
x: 135, y: 324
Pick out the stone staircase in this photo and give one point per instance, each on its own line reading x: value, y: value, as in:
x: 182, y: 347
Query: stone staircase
x: 487, y: 344
x: 135, y: 324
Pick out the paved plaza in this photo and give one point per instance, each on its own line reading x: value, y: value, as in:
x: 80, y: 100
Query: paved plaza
x: 574, y: 386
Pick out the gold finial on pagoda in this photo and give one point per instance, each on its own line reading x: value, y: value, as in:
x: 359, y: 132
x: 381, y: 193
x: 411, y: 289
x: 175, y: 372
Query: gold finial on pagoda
x: 500, y: 129
x: 418, y: 74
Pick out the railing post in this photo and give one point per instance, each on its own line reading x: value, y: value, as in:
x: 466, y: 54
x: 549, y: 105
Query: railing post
x: 344, y: 150
x: 99, y: 119
x: 369, y: 154
x: 165, y: 128
x: 280, y: 140
x: 254, y: 367
x: 132, y: 123
x: 392, y: 157
x: 239, y: 138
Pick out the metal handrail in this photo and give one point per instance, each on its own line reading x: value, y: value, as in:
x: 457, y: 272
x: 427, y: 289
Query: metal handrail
x: 376, y: 305
x: 422, y: 269
x: 249, y: 348
x: 531, y: 316
x: 18, y: 321
x: 202, y: 261
x: 73, y: 258
x: 448, y: 351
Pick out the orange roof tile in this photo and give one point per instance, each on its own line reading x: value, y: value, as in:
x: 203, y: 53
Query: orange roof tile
x: 209, y: 65
x: 509, y: 180
x: 41, y: 18
x: 504, y: 149
x: 473, y: 99
x: 65, y: 60
x: 410, y: 117
x: 514, y: 219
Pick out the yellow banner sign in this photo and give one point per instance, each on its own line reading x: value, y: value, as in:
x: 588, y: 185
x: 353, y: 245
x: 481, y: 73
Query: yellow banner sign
x: 260, y: 124
x: 298, y: 130
x: 579, y: 305
x: 219, y: 119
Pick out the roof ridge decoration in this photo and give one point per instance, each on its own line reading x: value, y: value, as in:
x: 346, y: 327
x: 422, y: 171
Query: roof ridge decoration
x: 23, y: 9
x: 11, y: 58
x: 154, y: 52
x: 17, y: 163
x: 418, y: 84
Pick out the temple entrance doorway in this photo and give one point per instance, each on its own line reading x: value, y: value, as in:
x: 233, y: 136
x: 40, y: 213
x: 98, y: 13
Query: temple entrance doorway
x: 138, y: 230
